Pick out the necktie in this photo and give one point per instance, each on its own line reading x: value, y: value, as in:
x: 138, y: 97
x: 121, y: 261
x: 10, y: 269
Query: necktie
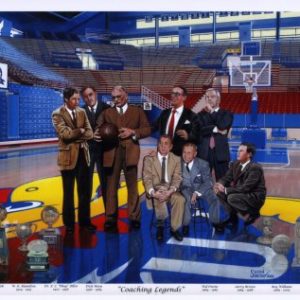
x: 121, y: 111
x: 93, y: 113
x: 163, y: 170
x: 187, y: 167
x: 74, y: 118
x: 171, y: 124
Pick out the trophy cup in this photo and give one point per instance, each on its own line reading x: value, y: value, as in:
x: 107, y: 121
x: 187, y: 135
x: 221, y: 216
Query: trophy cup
x: 3, y: 240
x: 266, y: 238
x: 23, y: 232
x: 37, y: 257
x: 50, y: 215
x: 296, y: 260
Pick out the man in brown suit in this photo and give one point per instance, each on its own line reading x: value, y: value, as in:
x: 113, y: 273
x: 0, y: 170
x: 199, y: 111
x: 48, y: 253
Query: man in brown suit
x: 242, y: 190
x: 73, y: 130
x: 162, y: 178
x: 133, y: 125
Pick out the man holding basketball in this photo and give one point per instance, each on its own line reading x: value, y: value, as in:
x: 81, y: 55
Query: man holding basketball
x: 124, y: 155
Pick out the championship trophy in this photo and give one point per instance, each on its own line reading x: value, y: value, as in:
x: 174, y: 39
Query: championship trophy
x: 3, y: 240
x: 37, y: 257
x: 23, y: 232
x: 266, y: 238
x: 296, y: 260
x: 51, y: 235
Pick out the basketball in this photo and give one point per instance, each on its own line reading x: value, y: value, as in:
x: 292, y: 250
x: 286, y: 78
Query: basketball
x: 109, y: 133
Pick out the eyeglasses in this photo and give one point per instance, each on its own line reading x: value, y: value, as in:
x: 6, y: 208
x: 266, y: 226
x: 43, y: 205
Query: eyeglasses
x: 116, y: 97
x: 176, y: 94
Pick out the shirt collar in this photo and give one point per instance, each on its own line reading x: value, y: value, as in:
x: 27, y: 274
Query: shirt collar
x: 124, y: 107
x: 94, y: 107
x: 70, y: 110
x: 161, y: 156
x: 245, y: 164
x: 216, y: 110
x: 179, y: 109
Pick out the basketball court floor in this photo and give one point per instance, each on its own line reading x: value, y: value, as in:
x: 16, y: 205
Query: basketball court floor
x: 29, y: 180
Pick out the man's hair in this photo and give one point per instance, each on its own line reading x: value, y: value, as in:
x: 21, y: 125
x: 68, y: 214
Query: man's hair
x: 189, y: 144
x: 69, y: 92
x: 250, y: 148
x: 87, y: 87
x: 120, y: 88
x: 184, y: 90
x: 165, y: 136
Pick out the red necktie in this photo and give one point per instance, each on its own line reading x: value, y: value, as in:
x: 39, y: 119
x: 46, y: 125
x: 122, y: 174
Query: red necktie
x: 171, y: 124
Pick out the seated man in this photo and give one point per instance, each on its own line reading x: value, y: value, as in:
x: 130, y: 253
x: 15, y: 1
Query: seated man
x: 242, y: 189
x: 197, y: 182
x: 161, y: 178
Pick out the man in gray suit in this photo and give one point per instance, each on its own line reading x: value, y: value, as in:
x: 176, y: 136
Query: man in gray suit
x: 197, y: 182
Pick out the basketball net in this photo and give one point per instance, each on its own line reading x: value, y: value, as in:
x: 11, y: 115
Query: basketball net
x: 249, y: 84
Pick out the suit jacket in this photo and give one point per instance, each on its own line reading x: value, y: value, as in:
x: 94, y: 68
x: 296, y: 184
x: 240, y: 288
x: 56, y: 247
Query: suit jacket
x: 93, y: 145
x: 152, y: 173
x: 70, y: 139
x: 250, y: 181
x: 133, y: 118
x: 198, y: 179
x: 223, y: 120
x: 188, y: 121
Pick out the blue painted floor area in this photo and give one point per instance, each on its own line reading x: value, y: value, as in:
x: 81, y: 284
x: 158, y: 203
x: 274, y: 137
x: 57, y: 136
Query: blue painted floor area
x: 270, y: 155
x: 16, y: 153
x: 204, y: 257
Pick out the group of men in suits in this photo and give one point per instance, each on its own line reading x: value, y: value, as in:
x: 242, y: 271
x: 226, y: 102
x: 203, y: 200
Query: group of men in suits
x: 186, y: 169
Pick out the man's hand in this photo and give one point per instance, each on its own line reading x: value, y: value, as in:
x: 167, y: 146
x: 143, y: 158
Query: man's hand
x: 194, y: 198
x: 159, y: 195
x: 219, y: 188
x: 183, y: 134
x: 126, y: 132
x: 82, y: 130
x: 97, y: 138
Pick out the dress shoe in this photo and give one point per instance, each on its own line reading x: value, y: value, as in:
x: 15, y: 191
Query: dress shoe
x: 186, y: 230
x: 177, y: 235
x: 251, y: 219
x: 233, y: 221
x: 219, y: 228
x: 89, y: 227
x: 110, y: 226
x: 160, y: 233
x: 135, y: 224
x: 69, y: 229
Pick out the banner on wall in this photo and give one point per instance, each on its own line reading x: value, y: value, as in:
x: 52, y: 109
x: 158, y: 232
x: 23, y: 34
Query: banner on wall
x: 3, y: 76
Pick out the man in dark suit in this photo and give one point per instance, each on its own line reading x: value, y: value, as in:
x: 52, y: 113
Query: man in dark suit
x: 133, y: 125
x: 242, y: 189
x: 180, y: 123
x: 197, y: 182
x: 215, y: 124
x: 73, y: 130
x: 93, y: 108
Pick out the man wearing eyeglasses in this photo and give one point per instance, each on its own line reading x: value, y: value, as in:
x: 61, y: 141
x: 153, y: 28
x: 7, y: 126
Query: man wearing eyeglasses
x: 133, y: 126
x: 180, y: 123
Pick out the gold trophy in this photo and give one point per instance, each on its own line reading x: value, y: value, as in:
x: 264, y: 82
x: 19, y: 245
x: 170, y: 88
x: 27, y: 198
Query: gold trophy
x: 3, y: 240
x: 50, y: 215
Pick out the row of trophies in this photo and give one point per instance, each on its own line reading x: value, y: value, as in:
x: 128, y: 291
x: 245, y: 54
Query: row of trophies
x: 37, y: 256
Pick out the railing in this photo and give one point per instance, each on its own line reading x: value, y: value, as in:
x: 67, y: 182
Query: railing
x: 154, y: 98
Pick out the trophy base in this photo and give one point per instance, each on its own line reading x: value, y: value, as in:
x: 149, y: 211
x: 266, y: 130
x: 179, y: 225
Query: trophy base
x: 37, y: 263
x: 295, y: 263
x: 35, y: 268
x: 264, y: 240
x: 51, y: 236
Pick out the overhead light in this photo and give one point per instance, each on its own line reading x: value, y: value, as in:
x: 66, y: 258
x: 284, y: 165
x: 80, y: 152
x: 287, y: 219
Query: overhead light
x: 223, y: 13
x: 245, y: 13
x: 164, y: 18
x: 184, y: 16
x: 148, y: 19
x: 195, y: 15
x: 205, y: 15
x: 174, y: 18
x: 234, y: 13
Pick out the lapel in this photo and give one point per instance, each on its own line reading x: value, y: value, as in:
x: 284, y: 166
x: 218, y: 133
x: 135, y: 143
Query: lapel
x: 157, y: 166
x: 182, y: 119
x: 195, y: 169
x: 164, y: 119
x: 67, y: 117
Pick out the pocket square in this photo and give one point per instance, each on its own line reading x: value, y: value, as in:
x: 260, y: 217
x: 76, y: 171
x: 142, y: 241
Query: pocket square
x: 199, y: 175
x: 187, y: 122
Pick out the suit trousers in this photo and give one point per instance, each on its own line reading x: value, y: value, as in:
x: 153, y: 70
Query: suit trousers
x: 242, y: 203
x: 97, y: 159
x: 177, y: 209
x: 81, y: 174
x: 113, y: 180
x: 220, y: 167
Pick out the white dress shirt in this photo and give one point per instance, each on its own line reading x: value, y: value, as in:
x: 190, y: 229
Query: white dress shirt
x: 178, y: 113
x: 124, y: 107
